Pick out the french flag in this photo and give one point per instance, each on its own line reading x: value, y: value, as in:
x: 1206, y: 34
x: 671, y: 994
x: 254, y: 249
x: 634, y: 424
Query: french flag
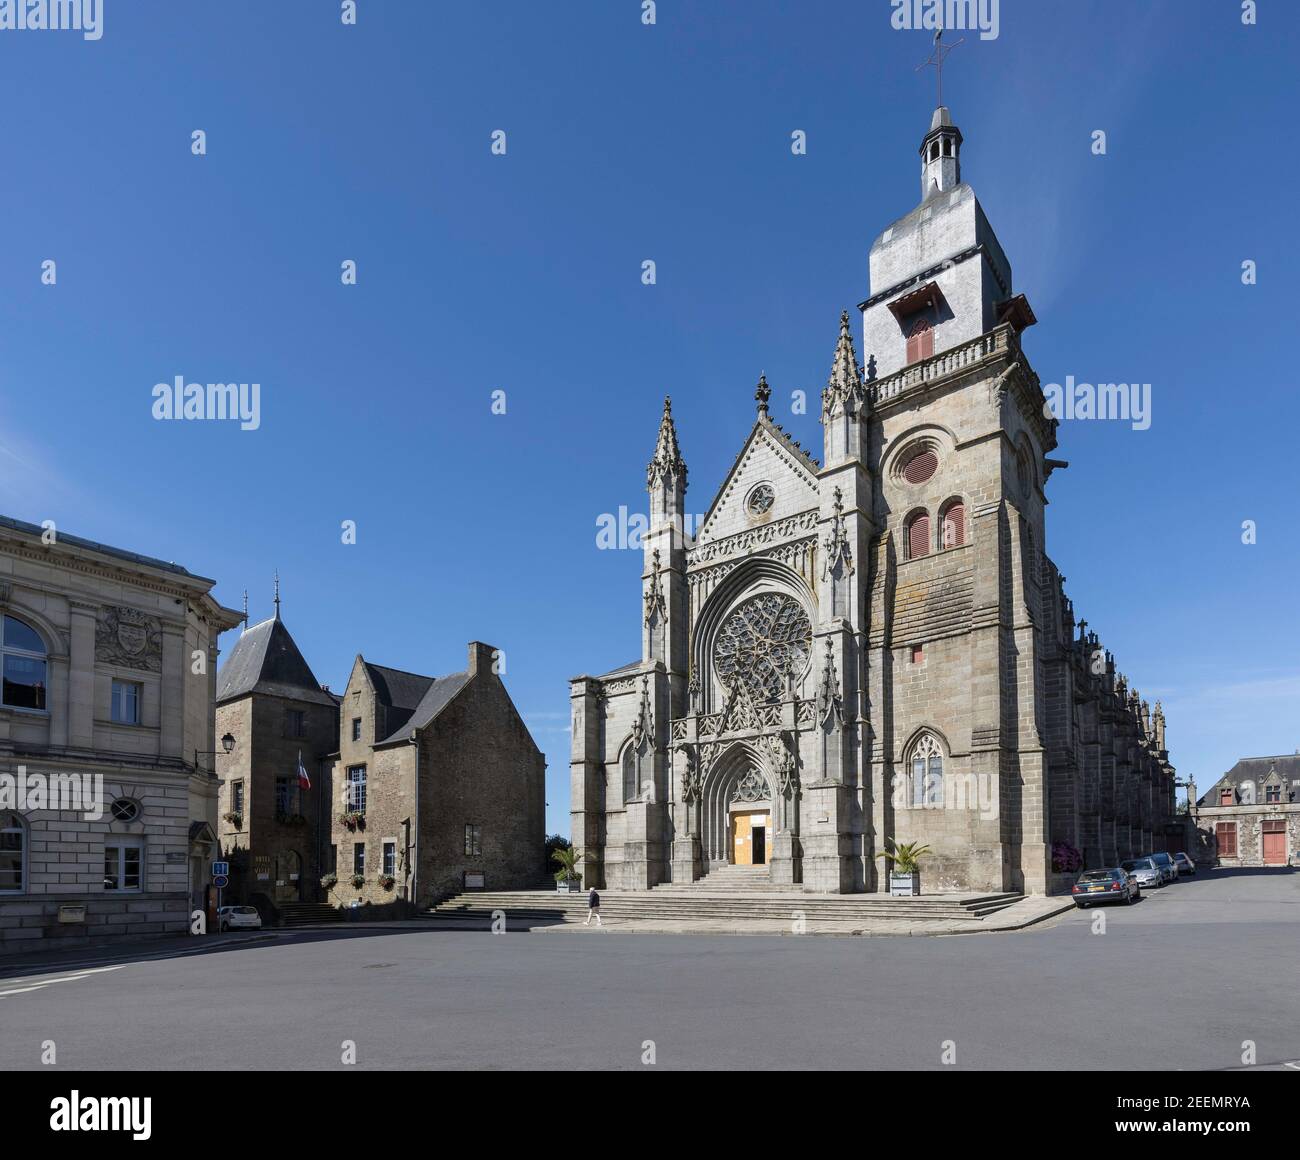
x: 304, y: 782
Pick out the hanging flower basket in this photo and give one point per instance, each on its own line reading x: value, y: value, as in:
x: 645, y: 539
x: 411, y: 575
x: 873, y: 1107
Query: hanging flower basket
x: 1066, y: 859
x: 329, y: 881
x: 234, y: 818
x: 353, y: 820
x: 387, y: 881
x: 358, y: 881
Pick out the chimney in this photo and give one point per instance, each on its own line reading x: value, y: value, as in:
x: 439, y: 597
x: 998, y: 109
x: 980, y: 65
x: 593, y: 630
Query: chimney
x: 483, y: 658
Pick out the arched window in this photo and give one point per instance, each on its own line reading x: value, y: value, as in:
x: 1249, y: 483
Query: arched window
x: 22, y: 659
x: 630, y: 785
x: 920, y: 340
x: 917, y: 535
x: 13, y: 854
x: 953, y: 525
x: 927, y: 772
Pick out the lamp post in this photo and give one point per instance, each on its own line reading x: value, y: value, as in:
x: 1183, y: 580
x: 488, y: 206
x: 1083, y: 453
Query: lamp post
x: 227, y: 746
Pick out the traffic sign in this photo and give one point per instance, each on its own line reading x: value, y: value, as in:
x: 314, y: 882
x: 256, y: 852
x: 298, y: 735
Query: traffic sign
x: 220, y: 869
x: 220, y: 881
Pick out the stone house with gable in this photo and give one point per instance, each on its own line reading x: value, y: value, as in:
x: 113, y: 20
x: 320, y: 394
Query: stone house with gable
x: 438, y: 786
x: 1251, y: 815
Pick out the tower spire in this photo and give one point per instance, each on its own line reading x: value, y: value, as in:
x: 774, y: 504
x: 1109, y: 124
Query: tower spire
x: 762, y: 393
x: 277, y: 594
x: 245, y: 609
x: 667, y: 463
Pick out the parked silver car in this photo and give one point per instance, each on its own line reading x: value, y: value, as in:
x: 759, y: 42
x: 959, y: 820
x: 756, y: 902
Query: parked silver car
x: 1145, y: 871
x: 1165, y: 864
x: 1184, y: 863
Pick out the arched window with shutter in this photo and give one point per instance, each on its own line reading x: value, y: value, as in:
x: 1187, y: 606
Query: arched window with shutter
x: 953, y: 525
x: 917, y: 535
x: 920, y: 340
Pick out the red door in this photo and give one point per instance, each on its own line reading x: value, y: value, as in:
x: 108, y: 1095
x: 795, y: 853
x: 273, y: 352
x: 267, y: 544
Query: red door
x: 1274, y: 843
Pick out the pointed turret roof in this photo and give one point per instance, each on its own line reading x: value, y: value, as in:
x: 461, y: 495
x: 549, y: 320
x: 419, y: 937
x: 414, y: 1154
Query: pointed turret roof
x: 266, y: 660
x: 667, y: 461
x: 845, y: 382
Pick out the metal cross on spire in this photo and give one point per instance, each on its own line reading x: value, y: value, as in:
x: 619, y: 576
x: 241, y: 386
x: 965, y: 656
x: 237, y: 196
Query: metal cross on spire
x: 277, y: 594
x: 936, y: 59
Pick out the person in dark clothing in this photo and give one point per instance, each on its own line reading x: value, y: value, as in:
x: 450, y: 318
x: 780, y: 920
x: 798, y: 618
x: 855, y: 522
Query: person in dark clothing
x: 593, y: 907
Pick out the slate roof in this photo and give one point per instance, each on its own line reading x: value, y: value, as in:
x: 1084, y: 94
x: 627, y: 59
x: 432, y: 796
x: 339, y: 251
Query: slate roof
x: 266, y: 660
x: 1256, y: 769
x: 413, y: 701
x: 105, y: 549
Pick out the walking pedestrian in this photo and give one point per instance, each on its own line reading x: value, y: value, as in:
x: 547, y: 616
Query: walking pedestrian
x: 593, y: 907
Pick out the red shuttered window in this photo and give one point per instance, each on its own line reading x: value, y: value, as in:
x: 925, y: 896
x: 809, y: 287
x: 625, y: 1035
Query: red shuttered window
x: 920, y: 467
x: 1226, y: 835
x: 920, y: 340
x: 954, y: 525
x: 918, y: 536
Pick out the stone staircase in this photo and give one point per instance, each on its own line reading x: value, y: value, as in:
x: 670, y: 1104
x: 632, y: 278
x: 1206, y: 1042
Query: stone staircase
x: 730, y: 897
x: 728, y: 879
x: 308, y: 913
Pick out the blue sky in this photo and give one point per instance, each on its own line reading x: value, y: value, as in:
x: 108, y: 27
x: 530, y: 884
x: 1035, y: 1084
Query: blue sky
x: 521, y: 273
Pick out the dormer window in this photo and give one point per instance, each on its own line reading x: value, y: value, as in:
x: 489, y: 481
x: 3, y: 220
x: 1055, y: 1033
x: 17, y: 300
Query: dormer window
x: 1227, y: 797
x: 1273, y: 794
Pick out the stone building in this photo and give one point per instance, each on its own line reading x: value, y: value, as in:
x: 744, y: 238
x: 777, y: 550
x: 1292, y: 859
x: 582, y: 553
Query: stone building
x: 107, y: 791
x: 438, y: 786
x: 1251, y: 815
x: 273, y: 828
x: 874, y: 647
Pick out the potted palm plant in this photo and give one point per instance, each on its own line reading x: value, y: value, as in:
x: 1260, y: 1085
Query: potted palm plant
x: 905, y: 870
x: 568, y: 878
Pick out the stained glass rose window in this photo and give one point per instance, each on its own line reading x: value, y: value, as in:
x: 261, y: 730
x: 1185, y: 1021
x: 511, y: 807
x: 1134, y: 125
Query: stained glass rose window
x: 764, y: 642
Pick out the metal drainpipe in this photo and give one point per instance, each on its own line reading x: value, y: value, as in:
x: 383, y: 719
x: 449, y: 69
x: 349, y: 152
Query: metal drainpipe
x: 414, y: 852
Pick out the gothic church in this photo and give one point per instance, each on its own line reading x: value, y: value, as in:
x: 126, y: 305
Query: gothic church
x: 875, y: 647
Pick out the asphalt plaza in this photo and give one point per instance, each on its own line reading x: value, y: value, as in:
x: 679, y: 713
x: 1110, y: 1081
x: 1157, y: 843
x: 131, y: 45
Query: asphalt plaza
x: 1162, y: 989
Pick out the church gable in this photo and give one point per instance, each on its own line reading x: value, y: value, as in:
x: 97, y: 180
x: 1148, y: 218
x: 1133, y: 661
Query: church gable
x: 771, y: 480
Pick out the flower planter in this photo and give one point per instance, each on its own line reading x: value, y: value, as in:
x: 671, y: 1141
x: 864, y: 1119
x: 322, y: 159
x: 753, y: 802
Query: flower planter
x: 569, y: 885
x: 905, y: 885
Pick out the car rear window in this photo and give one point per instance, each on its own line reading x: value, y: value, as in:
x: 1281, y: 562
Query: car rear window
x: 1097, y: 876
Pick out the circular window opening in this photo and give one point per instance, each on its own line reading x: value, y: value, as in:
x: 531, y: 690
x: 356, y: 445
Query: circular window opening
x: 921, y: 466
x: 124, y: 810
x: 760, y: 500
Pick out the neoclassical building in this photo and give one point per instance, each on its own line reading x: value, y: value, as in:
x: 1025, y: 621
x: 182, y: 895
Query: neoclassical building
x: 108, y: 793
x: 874, y: 646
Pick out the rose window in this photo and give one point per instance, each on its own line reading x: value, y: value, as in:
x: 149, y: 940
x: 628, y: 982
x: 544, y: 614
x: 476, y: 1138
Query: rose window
x: 764, y: 643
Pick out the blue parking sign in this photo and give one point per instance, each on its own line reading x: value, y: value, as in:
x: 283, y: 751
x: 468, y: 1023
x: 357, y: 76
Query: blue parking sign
x: 220, y: 869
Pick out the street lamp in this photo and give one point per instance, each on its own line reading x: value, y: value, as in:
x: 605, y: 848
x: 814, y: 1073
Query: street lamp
x: 227, y: 744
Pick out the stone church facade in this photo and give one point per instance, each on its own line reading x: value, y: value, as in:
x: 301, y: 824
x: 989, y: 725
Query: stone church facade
x: 874, y: 647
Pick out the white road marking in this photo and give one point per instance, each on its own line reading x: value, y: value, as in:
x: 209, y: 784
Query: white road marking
x: 40, y: 984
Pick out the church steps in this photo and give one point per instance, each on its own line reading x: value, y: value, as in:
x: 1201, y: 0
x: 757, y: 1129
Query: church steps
x: 700, y: 905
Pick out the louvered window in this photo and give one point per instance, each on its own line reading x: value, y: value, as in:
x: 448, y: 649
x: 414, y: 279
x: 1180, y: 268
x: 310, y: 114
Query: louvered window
x: 1226, y: 835
x: 918, y: 536
x: 920, y: 467
x: 920, y: 340
x: 954, y: 525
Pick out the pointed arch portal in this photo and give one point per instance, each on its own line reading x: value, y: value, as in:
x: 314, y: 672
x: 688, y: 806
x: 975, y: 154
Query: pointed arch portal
x: 738, y: 820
